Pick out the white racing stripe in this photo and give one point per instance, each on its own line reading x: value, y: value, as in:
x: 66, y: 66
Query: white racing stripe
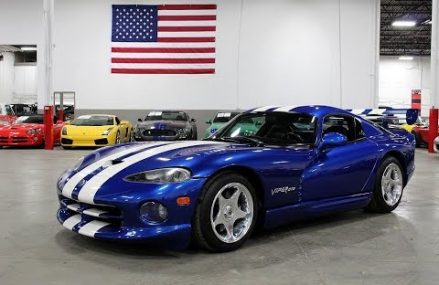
x: 94, y: 212
x: 90, y: 189
x: 284, y: 109
x: 376, y: 112
x: 71, y: 222
x: 74, y: 180
x: 92, y: 228
x: 263, y: 109
x: 357, y: 111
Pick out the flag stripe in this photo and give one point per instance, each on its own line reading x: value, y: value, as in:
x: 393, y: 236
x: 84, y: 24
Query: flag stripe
x: 162, y: 50
x: 187, y: 7
x: 187, y: 18
x: 164, y: 45
x: 187, y: 29
x: 185, y: 34
x: 185, y: 12
x: 163, y: 60
x: 161, y: 55
x: 162, y: 71
x: 186, y: 40
x: 163, y: 65
x: 186, y: 23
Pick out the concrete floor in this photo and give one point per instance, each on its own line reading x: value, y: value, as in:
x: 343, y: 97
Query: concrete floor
x: 349, y: 248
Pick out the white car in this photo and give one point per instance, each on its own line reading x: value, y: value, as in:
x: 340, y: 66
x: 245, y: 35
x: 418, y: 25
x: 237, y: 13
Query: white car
x: 436, y: 144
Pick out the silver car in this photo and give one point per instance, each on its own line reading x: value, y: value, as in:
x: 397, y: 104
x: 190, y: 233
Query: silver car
x: 436, y: 144
x: 165, y: 125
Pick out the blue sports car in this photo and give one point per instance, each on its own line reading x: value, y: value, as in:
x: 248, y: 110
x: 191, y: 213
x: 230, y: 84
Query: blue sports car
x: 302, y: 162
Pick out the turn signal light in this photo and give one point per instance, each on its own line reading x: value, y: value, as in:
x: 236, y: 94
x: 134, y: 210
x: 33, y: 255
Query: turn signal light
x: 183, y: 201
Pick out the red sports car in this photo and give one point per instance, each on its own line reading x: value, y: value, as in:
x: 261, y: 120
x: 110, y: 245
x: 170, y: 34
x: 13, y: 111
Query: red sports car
x: 422, y: 135
x: 27, y: 131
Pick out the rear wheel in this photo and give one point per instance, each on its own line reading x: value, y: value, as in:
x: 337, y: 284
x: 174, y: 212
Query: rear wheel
x: 117, y: 141
x: 226, y: 214
x: 389, y: 186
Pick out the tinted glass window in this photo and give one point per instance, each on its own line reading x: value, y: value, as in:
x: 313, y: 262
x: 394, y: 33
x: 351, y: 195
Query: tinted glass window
x: 30, y: 120
x: 272, y: 128
x: 167, y: 116
x: 93, y: 121
x: 345, y: 125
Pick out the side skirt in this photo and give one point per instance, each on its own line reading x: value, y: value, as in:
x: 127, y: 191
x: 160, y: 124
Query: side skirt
x: 305, y: 210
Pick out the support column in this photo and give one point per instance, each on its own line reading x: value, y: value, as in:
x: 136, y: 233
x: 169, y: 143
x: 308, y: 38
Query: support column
x: 434, y: 99
x: 48, y: 19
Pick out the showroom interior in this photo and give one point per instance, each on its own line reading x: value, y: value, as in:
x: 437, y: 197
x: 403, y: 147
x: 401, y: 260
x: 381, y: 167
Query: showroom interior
x: 126, y: 127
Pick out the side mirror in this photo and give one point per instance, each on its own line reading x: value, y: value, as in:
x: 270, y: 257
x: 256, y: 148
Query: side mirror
x: 333, y: 140
x: 139, y: 120
x: 209, y: 122
x: 411, y: 116
x: 193, y: 120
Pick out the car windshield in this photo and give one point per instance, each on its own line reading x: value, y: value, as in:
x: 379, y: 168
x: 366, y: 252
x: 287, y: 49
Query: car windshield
x: 224, y: 117
x: 166, y: 115
x: 274, y: 128
x: 95, y: 120
x: 29, y: 120
x: 9, y: 110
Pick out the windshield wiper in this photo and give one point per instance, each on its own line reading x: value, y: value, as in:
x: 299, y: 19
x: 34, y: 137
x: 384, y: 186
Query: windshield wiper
x: 253, y: 140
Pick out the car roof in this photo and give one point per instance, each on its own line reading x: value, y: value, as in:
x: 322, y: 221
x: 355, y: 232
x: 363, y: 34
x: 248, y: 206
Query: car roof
x: 314, y: 110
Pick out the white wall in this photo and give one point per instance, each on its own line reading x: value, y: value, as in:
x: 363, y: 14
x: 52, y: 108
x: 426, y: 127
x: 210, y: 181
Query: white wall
x: 268, y: 53
x: 21, y: 22
x: 399, y: 77
x: 25, y: 84
x: 7, y: 77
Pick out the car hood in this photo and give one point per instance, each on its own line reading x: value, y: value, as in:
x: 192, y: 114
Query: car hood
x: 162, y: 125
x: 20, y: 127
x: 73, y: 130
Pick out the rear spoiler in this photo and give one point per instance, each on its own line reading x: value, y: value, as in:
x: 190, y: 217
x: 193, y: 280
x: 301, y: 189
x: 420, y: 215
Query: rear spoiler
x: 411, y: 115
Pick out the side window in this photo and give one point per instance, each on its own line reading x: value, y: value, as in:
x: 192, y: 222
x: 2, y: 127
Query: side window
x: 117, y: 121
x: 345, y: 125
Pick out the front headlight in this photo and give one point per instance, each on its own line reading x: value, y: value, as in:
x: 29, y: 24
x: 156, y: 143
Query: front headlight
x: 64, y: 131
x: 107, y: 132
x: 184, y: 133
x: 162, y: 175
x: 33, y: 131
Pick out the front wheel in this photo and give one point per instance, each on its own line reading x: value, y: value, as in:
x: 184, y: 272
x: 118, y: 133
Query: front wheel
x: 389, y: 186
x: 226, y: 214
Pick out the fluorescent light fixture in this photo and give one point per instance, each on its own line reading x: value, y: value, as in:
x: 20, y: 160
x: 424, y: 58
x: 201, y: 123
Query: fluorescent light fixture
x: 28, y: 48
x: 404, y: 23
x: 405, y: 57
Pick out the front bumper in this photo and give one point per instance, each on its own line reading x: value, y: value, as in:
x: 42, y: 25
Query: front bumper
x: 21, y: 141
x: 85, y: 141
x: 117, y: 216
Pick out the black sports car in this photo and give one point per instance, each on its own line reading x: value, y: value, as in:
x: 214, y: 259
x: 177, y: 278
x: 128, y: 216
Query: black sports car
x: 165, y: 125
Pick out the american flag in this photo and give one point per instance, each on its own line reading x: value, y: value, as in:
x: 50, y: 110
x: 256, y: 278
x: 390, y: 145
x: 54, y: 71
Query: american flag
x: 163, y: 39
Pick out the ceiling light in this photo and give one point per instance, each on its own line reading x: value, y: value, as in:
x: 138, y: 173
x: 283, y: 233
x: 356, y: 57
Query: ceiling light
x: 404, y: 23
x: 28, y: 48
x: 405, y: 57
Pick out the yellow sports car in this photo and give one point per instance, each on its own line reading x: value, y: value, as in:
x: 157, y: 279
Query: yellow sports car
x: 95, y: 131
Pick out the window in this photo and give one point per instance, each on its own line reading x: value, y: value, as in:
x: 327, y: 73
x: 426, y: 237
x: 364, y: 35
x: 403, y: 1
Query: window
x: 117, y: 121
x: 345, y: 125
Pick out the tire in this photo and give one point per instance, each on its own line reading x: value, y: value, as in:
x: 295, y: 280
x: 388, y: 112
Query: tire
x: 219, y: 224
x: 389, y: 184
x: 417, y: 139
x: 117, y: 140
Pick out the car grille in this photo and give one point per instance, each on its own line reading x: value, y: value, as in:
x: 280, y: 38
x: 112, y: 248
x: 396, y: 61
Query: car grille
x: 159, y: 133
x: 19, y: 139
x: 101, y: 141
x: 105, y: 213
x: 66, y: 141
x: 3, y: 139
